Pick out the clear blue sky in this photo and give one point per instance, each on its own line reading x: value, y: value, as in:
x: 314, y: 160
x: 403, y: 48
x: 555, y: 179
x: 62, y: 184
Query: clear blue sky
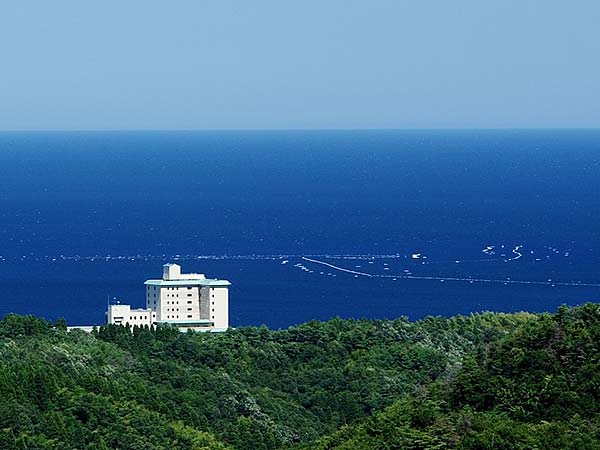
x: 196, y: 64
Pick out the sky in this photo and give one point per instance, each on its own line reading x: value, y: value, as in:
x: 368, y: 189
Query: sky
x: 279, y: 64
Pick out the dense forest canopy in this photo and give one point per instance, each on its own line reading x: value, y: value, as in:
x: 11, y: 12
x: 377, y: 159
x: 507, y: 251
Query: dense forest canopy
x: 486, y: 381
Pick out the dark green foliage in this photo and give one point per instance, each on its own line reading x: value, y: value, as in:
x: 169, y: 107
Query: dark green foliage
x: 549, y: 369
x: 536, y: 388
x: 480, y: 382
x: 13, y: 325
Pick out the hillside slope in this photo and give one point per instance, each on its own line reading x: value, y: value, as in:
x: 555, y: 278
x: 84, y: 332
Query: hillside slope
x: 435, y: 383
x: 537, y: 388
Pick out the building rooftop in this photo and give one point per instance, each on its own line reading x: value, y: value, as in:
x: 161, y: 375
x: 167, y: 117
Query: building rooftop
x: 172, y: 276
x: 173, y: 272
x: 201, y: 282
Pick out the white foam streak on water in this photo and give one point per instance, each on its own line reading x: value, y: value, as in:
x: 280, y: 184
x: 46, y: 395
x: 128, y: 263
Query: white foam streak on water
x: 517, y: 253
x: 341, y: 269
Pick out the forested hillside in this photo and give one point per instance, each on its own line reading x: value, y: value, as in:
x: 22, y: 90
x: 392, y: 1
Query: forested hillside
x: 478, y: 382
x: 537, y: 388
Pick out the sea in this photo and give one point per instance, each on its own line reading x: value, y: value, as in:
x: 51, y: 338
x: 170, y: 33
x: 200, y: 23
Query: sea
x: 305, y: 224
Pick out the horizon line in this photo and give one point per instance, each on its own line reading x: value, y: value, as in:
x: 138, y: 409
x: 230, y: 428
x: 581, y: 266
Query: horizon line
x: 167, y: 130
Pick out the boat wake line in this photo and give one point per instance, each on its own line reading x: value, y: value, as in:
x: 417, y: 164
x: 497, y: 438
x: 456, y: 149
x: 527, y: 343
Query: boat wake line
x: 437, y: 278
x: 341, y: 269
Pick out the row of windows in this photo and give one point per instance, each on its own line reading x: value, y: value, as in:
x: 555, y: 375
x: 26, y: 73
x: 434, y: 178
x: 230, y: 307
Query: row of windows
x: 189, y: 316
x: 189, y: 302
x: 177, y: 295
x: 190, y: 294
x: 177, y: 309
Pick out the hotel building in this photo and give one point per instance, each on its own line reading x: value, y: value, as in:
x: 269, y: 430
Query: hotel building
x: 187, y: 300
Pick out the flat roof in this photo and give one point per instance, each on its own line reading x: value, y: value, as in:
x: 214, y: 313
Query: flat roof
x: 126, y: 305
x: 197, y: 282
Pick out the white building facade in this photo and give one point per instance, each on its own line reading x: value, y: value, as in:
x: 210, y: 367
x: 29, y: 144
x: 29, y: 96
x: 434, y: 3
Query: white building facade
x: 187, y: 300
x: 123, y: 314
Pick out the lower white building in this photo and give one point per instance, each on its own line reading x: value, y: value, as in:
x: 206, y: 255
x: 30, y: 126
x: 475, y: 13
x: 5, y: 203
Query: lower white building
x: 187, y: 300
x: 123, y: 314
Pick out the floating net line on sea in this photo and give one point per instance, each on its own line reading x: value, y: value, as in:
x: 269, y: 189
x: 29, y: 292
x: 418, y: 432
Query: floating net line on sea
x: 448, y: 278
x: 322, y: 260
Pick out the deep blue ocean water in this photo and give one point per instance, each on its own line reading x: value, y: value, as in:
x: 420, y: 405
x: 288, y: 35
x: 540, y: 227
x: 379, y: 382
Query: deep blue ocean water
x: 88, y: 216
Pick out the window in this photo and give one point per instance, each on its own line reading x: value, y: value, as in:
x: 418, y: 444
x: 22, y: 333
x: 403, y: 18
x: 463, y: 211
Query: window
x: 189, y: 288
x: 213, y: 310
x: 189, y: 295
x: 189, y: 302
x: 189, y: 309
x: 189, y: 316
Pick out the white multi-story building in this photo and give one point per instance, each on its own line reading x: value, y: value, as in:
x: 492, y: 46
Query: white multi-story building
x: 187, y: 300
